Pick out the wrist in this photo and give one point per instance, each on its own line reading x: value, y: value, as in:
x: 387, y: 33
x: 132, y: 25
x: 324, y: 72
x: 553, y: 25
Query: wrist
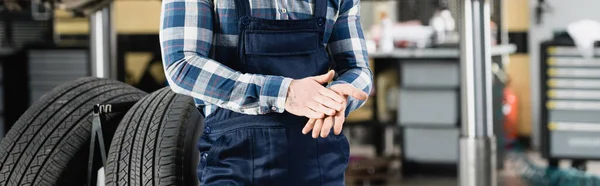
x: 274, y: 94
x: 289, y: 102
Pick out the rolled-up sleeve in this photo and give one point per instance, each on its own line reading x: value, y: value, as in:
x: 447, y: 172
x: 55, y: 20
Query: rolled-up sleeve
x: 348, y: 47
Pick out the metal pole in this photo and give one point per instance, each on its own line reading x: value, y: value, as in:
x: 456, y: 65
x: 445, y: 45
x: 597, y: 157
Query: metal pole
x: 102, y: 43
x: 477, y: 163
x: 2, y: 128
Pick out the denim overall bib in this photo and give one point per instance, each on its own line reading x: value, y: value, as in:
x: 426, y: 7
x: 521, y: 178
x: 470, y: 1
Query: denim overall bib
x: 239, y: 149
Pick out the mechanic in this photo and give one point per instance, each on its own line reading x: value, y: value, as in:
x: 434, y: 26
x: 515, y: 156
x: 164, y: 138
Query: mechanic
x: 265, y: 73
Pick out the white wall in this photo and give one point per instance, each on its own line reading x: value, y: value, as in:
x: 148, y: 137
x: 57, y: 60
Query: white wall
x: 563, y: 13
x: 369, y: 12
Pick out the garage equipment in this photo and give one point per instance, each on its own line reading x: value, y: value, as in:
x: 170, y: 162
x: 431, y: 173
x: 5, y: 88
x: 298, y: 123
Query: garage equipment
x: 103, y: 43
x: 477, y: 164
x: 475, y: 114
x: 422, y: 96
x: 102, y: 33
x: 570, y: 102
x: 100, y: 112
x: 49, y: 67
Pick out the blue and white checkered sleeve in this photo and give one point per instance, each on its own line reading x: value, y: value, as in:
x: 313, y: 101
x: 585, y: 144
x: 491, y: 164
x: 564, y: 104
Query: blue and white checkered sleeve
x: 347, y: 45
x: 186, y: 39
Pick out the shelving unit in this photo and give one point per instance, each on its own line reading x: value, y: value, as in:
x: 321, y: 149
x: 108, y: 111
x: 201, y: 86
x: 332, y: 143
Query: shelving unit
x: 428, y: 108
x: 51, y: 67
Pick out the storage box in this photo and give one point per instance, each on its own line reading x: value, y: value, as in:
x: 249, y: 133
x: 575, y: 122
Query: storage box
x: 431, y: 145
x: 591, y: 116
x: 428, y: 107
x: 442, y: 74
x: 575, y: 144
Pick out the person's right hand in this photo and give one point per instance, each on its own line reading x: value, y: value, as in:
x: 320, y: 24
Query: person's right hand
x: 308, y: 97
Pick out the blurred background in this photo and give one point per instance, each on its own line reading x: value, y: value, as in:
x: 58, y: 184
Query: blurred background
x: 546, y: 85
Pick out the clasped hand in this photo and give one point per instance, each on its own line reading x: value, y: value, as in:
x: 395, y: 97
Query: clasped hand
x: 325, y: 107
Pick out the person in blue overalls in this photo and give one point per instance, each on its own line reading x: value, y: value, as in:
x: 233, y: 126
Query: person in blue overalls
x: 274, y: 79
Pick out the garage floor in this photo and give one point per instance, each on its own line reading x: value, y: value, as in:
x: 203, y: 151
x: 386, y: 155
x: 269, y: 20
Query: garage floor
x: 506, y: 177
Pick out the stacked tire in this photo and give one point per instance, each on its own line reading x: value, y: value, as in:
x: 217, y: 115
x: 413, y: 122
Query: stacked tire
x: 49, y: 143
x: 154, y: 143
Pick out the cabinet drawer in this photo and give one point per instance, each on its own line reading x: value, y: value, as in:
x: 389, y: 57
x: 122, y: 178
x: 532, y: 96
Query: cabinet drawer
x: 428, y: 107
x: 573, y: 105
x: 430, y: 74
x: 583, y: 73
x: 572, y: 61
x: 573, y: 94
x: 565, y: 51
x: 575, y: 140
x: 592, y: 116
x: 574, y: 83
x: 431, y: 145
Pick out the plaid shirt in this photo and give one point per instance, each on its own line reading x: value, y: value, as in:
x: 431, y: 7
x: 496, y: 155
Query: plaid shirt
x: 199, y: 37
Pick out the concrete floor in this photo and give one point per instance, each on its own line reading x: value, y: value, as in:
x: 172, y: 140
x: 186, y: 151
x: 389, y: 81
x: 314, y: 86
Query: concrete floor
x: 507, y: 177
x: 503, y: 178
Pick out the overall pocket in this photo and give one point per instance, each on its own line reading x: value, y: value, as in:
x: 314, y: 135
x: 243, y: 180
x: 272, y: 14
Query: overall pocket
x: 291, y: 54
x: 247, y: 156
x: 227, y: 160
x: 334, y: 153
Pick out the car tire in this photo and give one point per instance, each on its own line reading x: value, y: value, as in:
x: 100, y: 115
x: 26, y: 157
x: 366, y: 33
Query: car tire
x: 155, y: 144
x: 49, y: 143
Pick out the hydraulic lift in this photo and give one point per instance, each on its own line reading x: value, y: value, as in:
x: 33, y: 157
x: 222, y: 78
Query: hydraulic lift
x: 477, y: 164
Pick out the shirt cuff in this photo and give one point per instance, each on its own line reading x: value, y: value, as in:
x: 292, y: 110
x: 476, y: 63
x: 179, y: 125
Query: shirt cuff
x: 273, y: 94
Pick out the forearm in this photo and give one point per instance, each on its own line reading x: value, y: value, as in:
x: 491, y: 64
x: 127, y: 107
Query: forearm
x: 186, y: 36
x: 216, y: 84
x: 359, y: 78
x: 348, y: 47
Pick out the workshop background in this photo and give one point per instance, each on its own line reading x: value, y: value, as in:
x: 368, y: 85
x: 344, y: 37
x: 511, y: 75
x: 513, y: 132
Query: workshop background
x: 546, y: 85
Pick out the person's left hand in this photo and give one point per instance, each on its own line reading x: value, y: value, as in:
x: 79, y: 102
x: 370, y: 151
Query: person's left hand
x: 322, y: 127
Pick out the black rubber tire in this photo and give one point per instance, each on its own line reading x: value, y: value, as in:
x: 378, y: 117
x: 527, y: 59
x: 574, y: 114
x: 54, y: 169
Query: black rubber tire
x: 155, y: 143
x: 49, y: 143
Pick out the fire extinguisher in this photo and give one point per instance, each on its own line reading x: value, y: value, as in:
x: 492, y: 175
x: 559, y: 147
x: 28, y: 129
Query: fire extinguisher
x: 509, y: 108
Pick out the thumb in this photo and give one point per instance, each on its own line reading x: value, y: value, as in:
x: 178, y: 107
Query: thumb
x: 322, y: 79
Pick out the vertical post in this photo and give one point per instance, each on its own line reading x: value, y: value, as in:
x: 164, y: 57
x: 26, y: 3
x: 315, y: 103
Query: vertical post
x: 2, y: 127
x: 102, y: 43
x: 477, y: 163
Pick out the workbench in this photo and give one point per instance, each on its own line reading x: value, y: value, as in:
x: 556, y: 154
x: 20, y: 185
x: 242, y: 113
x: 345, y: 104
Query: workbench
x: 427, y: 108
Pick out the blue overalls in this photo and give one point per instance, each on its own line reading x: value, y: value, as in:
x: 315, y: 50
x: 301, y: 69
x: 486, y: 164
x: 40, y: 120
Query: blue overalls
x: 239, y: 149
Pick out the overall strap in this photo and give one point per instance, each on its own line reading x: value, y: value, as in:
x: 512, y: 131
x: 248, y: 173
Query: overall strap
x: 321, y: 8
x: 242, y: 7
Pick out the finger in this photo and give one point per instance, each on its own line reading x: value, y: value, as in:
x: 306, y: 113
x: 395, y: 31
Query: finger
x: 309, y: 126
x: 347, y: 89
x: 309, y: 113
x: 339, y: 119
x: 320, y: 108
x: 331, y: 94
x: 327, y: 124
x: 317, y: 128
x: 329, y: 103
x: 322, y: 79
